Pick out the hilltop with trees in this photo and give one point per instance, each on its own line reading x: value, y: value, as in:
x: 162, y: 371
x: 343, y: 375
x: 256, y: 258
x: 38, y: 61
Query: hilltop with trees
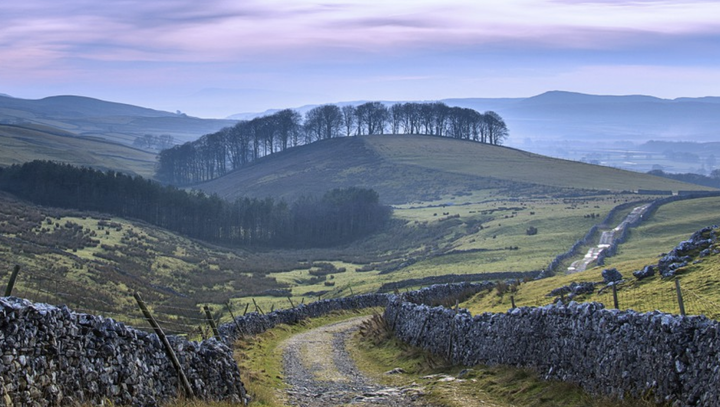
x: 216, y: 154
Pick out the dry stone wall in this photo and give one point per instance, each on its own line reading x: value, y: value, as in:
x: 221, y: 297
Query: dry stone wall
x: 53, y: 356
x: 607, y: 352
x: 255, y: 323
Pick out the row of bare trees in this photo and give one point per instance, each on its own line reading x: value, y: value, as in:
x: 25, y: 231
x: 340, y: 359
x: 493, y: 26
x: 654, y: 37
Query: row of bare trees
x: 216, y: 154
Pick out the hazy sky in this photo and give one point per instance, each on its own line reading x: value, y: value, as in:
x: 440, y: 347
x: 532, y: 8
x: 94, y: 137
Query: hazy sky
x: 213, y: 58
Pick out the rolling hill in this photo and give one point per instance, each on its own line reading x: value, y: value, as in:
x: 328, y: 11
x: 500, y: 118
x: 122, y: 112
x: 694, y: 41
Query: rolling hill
x: 23, y: 143
x: 405, y: 169
x: 117, y: 122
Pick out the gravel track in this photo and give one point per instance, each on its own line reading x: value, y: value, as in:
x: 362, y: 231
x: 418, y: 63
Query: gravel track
x: 320, y: 372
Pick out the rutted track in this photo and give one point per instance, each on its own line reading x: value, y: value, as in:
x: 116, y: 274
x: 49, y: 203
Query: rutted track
x: 320, y: 372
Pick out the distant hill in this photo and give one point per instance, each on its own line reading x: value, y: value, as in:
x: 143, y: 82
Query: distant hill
x: 117, y: 122
x: 23, y: 143
x: 406, y: 169
x: 581, y: 117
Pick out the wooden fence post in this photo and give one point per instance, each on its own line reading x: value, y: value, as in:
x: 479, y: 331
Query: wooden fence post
x: 11, y: 283
x: 681, y: 304
x: 422, y: 329
x: 229, y: 308
x: 615, y: 297
x: 211, y: 322
x: 512, y: 301
x: 450, y: 341
x: 166, y: 344
x: 257, y: 308
x: 246, y: 308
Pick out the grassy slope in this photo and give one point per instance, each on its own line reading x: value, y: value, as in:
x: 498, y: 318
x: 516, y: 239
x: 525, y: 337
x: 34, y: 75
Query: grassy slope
x: 671, y: 224
x: 19, y: 144
x: 406, y: 169
x: 94, y: 263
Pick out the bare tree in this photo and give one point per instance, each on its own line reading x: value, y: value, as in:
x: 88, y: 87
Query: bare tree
x: 349, y: 119
x: 288, y: 127
x: 323, y: 122
x: 496, y: 128
x: 372, y: 118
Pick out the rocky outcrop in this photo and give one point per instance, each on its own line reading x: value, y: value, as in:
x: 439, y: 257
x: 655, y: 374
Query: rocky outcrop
x: 611, y: 276
x: 647, y: 271
x: 54, y: 356
x: 699, y: 244
x: 574, y: 289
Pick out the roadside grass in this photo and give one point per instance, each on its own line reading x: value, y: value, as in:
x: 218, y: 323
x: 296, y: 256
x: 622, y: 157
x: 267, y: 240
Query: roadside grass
x: 260, y: 357
x: 377, y: 352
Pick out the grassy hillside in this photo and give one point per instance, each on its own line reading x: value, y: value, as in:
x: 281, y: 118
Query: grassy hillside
x: 93, y: 263
x: 660, y: 233
x: 406, y: 169
x: 19, y: 144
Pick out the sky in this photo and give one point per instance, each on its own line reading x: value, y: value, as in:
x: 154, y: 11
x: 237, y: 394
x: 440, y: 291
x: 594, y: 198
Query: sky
x: 214, y: 58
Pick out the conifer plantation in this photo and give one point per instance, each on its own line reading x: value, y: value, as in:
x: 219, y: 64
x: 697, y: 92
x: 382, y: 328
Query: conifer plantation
x: 338, y: 217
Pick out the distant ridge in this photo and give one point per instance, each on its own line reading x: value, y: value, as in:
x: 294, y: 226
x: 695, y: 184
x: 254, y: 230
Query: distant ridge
x: 116, y: 122
x: 80, y: 106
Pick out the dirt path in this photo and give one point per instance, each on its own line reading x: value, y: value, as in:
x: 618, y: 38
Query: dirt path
x: 320, y: 372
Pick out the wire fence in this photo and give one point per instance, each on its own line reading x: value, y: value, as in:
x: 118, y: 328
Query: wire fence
x: 667, y: 297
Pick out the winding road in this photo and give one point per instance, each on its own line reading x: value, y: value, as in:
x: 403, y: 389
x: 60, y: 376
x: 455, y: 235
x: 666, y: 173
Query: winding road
x: 606, y: 239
